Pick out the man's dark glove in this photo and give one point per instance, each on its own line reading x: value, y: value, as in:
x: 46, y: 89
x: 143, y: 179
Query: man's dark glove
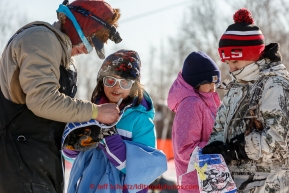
x: 235, y: 150
x: 218, y: 147
x: 237, y: 144
x: 86, y: 138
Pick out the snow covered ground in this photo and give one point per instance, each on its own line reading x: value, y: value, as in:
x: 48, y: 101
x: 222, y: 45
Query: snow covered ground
x: 170, y: 174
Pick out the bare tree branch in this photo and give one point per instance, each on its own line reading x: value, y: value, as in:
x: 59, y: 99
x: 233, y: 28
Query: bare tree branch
x: 11, y: 20
x: 202, y: 28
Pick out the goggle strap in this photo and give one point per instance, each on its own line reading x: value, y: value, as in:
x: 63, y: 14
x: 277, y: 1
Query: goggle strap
x: 63, y: 9
x: 112, y: 29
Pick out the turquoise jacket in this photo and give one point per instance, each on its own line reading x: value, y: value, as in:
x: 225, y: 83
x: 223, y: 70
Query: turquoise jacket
x: 137, y: 124
x: 128, y: 159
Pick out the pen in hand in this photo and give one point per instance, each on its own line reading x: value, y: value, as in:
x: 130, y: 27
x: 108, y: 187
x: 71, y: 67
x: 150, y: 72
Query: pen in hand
x: 119, y: 102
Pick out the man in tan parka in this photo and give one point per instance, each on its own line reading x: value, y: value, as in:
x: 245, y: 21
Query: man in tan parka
x: 37, y: 93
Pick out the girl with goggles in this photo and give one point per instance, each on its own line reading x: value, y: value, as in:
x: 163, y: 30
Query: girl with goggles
x: 110, y: 81
x: 119, y: 78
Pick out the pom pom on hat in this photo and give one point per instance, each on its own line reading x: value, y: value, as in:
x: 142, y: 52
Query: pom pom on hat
x: 243, y: 15
x: 199, y: 68
x: 242, y: 40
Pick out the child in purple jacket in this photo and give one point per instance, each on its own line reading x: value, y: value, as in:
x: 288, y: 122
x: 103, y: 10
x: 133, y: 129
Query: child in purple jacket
x: 193, y: 99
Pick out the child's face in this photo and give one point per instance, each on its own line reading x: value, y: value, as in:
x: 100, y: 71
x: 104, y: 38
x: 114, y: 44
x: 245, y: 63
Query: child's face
x: 209, y: 87
x: 116, y: 92
x: 237, y: 64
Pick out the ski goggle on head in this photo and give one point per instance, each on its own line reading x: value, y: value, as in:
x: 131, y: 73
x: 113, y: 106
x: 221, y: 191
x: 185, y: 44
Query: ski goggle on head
x: 110, y: 81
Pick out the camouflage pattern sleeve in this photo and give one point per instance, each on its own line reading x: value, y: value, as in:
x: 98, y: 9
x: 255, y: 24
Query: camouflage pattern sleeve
x: 271, y: 144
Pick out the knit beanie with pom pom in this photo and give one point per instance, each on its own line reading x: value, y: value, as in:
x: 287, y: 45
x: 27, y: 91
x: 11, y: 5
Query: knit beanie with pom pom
x: 242, y: 40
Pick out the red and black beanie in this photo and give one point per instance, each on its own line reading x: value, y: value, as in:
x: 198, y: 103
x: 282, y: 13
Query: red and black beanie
x: 242, y: 40
x: 124, y: 63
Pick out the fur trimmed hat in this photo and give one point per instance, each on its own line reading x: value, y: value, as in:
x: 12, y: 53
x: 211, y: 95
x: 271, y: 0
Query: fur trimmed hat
x: 89, y: 26
x: 242, y: 40
x: 124, y: 63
